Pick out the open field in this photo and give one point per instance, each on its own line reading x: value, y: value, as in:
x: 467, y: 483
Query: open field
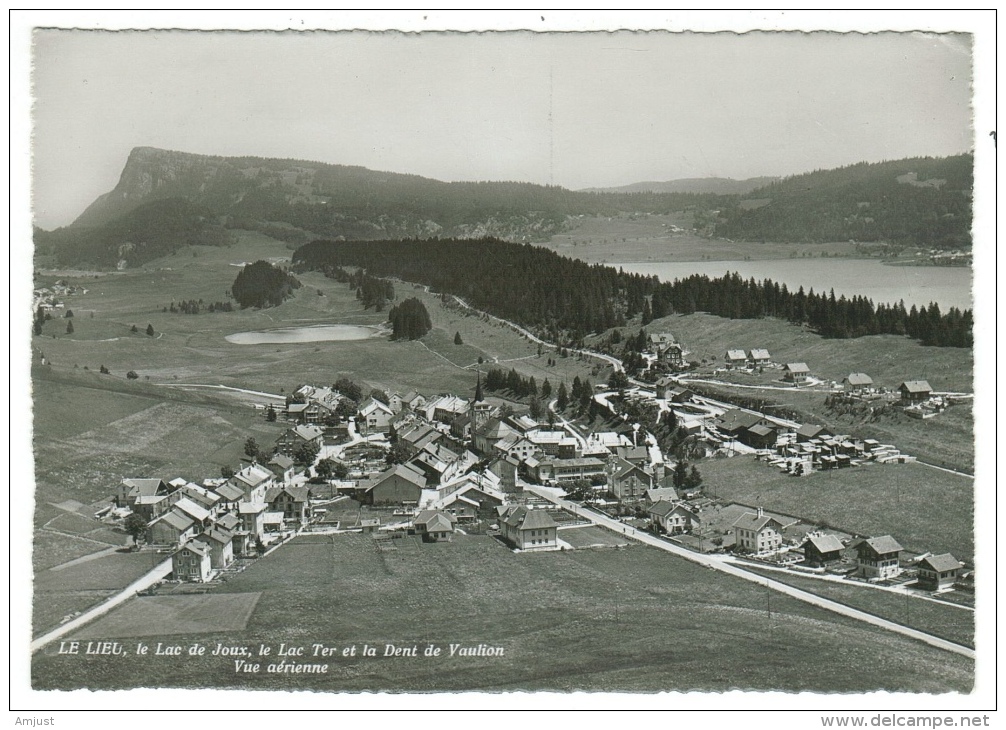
x: 924, y: 509
x: 948, y: 622
x: 637, y: 237
x: 57, y: 593
x: 591, y: 536
x: 630, y: 620
x: 166, y: 615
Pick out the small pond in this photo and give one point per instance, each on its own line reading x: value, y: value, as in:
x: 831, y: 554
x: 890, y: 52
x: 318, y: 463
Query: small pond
x: 313, y: 333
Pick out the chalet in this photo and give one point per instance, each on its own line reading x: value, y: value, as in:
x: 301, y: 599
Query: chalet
x: 221, y: 547
x: 434, y: 525
x: 307, y: 413
x: 878, y: 558
x: 796, y: 372
x: 914, y: 391
x: 759, y: 357
x: 808, y: 432
x: 938, y: 572
x: 822, y: 550
x: 528, y: 529
x: 668, y: 494
x: 375, y: 416
x: 758, y: 437
x: 666, y: 350
x: 291, y: 501
x: 171, y: 528
x: 627, y: 481
x: 757, y: 533
x: 673, y: 518
x: 735, y: 358
x: 857, y: 383
x: 397, y: 485
x: 293, y: 438
x: 192, y: 562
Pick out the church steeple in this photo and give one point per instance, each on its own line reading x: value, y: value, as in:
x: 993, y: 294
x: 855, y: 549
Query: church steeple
x: 478, y: 386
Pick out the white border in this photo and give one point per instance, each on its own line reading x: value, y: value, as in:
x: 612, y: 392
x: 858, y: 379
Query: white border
x: 34, y: 704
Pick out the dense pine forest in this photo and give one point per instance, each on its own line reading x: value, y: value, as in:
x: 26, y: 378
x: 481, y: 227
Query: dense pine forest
x: 263, y: 285
x: 565, y: 299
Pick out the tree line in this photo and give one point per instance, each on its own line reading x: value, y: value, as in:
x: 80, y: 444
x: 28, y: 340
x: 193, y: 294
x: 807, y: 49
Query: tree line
x: 563, y: 299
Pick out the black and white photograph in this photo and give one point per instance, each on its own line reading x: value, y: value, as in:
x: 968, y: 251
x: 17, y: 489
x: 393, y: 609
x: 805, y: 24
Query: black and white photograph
x: 376, y: 358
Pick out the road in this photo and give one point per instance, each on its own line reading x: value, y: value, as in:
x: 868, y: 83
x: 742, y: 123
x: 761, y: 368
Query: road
x: 725, y: 567
x: 157, y: 574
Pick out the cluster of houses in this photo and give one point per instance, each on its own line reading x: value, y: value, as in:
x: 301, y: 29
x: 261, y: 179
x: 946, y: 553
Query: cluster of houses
x: 663, y: 351
x: 51, y: 299
x: 741, y: 359
x: 209, y: 525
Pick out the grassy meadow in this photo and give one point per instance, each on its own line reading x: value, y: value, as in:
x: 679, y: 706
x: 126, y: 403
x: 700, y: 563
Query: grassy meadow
x: 631, y: 619
x: 947, y: 622
x: 925, y: 509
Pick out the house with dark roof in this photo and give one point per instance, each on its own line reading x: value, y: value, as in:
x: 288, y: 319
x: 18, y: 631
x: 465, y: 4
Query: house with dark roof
x: 131, y: 488
x: 796, y: 372
x: 878, y: 558
x: 489, y: 434
x: 293, y: 502
x: 282, y: 467
x: 253, y: 481
x: 913, y: 391
x: 735, y: 421
x: 822, y: 550
x: 757, y: 532
x: 938, y: 572
x: 808, y: 431
x: 760, y: 436
x: 230, y: 495
x: 528, y: 529
x: 434, y: 525
x: 627, y: 481
x: 398, y: 485
x: 192, y: 562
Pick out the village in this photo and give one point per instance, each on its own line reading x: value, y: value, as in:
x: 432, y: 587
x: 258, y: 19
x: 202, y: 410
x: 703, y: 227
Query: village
x: 440, y: 468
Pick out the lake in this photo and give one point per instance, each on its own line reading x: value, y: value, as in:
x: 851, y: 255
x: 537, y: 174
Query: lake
x: 313, y: 333
x: 948, y: 286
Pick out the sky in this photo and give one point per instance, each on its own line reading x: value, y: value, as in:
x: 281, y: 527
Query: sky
x: 572, y: 109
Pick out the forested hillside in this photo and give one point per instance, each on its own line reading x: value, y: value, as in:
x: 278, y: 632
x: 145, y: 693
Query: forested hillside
x: 565, y: 299
x: 921, y: 201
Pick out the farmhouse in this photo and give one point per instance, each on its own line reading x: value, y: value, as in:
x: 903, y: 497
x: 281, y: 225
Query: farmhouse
x: 914, y: 391
x: 296, y: 436
x: 198, y: 514
x: 822, y: 550
x: 434, y: 525
x: 938, y: 572
x: 878, y: 558
x: 759, y: 357
x: 757, y: 533
x: 398, y: 485
x: 191, y: 562
x: 253, y: 481
x: 528, y: 529
x: 735, y: 358
x: 796, y: 372
x: 758, y: 437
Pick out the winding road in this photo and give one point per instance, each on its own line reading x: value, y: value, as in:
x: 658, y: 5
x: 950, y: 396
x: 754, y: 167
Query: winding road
x: 719, y: 564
